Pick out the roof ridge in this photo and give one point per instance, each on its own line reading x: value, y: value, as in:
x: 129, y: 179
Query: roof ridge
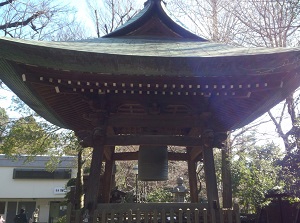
x: 153, y: 20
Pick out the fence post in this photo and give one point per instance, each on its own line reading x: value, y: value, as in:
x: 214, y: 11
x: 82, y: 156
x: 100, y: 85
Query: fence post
x: 95, y: 216
x: 229, y: 214
x: 155, y: 216
x: 146, y: 216
x: 213, y: 215
x: 188, y: 215
x: 297, y: 214
x: 112, y: 216
x: 172, y: 215
x: 180, y: 215
x: 221, y: 212
x: 69, y: 212
x: 196, y: 214
x: 163, y: 216
x: 103, y: 216
x: 138, y: 216
x: 129, y: 216
x: 77, y: 216
x: 120, y: 217
x: 204, y: 215
x: 237, y: 213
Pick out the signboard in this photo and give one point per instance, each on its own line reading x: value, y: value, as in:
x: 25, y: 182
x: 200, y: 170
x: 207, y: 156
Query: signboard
x: 60, y: 190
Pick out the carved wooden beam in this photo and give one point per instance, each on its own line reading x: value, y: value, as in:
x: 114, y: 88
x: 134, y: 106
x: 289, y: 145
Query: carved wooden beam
x: 123, y: 140
x: 178, y: 156
x: 218, y: 139
x: 195, y: 153
x: 157, y: 121
x: 134, y: 156
x: 108, y: 152
x: 125, y: 156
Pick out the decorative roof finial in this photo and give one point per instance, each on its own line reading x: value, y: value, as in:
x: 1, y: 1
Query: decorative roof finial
x: 154, y: 1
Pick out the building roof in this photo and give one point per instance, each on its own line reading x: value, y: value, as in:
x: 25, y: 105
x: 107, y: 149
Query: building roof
x: 150, y: 76
x: 153, y: 20
x: 150, y: 56
x: 37, y: 162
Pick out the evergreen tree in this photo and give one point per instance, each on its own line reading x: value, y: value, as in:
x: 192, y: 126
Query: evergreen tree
x: 255, y: 171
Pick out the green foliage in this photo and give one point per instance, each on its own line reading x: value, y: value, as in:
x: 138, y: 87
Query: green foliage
x: 254, y: 172
x: 31, y: 135
x: 26, y: 136
x: 71, y: 182
x: 3, y: 124
x: 291, y: 162
x: 62, y: 219
x: 160, y: 195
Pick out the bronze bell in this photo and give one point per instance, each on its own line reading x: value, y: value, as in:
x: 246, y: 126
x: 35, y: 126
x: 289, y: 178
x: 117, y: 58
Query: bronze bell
x: 153, y: 163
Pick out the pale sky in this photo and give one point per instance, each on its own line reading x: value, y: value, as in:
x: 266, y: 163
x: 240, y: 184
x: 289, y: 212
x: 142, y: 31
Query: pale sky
x: 83, y: 12
x: 6, y: 102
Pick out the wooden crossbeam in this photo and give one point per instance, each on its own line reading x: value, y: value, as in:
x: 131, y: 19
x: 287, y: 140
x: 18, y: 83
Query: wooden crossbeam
x: 124, y: 140
x: 108, y: 151
x: 176, y: 121
x: 195, y: 152
x: 134, y: 156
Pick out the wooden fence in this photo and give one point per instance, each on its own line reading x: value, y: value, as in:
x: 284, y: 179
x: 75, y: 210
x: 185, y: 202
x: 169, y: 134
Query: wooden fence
x: 157, y: 213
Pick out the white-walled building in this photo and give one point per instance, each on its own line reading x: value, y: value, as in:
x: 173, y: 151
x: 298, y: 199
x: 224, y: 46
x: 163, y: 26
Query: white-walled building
x: 30, y: 186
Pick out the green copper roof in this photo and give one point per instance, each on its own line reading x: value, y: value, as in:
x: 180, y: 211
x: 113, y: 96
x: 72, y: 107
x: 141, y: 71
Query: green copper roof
x: 150, y: 47
x: 153, y: 8
x: 142, y: 53
x: 150, y: 57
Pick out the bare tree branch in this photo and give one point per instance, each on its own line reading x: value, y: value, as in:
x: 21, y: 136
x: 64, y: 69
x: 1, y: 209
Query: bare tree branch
x: 6, y: 2
x: 110, y: 14
x: 21, y: 23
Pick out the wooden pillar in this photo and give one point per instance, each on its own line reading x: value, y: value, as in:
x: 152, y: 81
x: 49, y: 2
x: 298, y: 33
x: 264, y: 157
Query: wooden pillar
x: 210, y: 172
x: 92, y: 193
x: 79, y: 182
x: 210, y: 178
x: 211, y: 184
x: 226, y: 179
x: 193, y: 180
x: 107, y: 186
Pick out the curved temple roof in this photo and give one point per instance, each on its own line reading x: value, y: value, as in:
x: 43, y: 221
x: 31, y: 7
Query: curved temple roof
x: 146, y: 22
x: 195, y: 58
x: 150, y: 58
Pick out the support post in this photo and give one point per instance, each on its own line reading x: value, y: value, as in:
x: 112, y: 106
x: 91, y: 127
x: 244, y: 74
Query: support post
x: 193, y: 181
x: 210, y: 177
x: 92, y: 194
x: 226, y: 179
x: 79, y: 182
x: 210, y: 173
x: 107, y: 186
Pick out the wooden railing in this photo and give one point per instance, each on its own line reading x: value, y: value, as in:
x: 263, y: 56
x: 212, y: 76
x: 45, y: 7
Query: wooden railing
x: 158, y: 213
